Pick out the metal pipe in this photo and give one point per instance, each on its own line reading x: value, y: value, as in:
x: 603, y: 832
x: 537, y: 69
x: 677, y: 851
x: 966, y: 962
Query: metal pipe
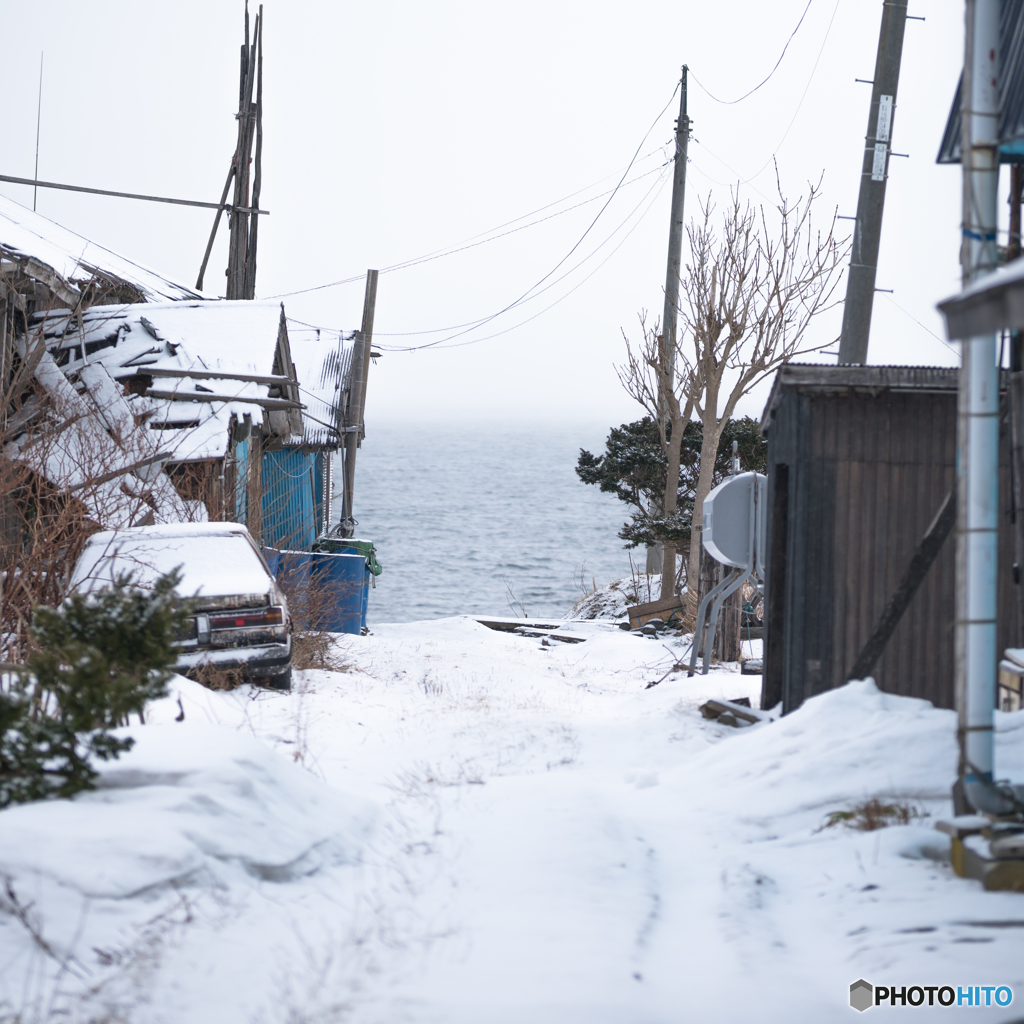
x: 977, y: 466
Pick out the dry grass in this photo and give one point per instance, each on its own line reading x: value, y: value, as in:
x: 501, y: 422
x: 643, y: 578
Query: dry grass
x: 315, y: 649
x: 216, y: 677
x: 312, y: 605
x: 872, y: 814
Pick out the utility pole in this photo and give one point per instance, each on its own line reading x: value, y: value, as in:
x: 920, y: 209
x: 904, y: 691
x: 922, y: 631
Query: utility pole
x: 675, y: 231
x: 241, y: 270
x: 977, y: 436
x: 860, y: 284
x: 354, y: 431
x: 666, y: 378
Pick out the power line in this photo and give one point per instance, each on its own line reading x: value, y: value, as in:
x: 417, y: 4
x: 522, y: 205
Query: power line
x: 770, y: 73
x: 659, y: 185
x: 442, y: 342
x: 484, y: 319
x: 803, y: 96
x: 919, y: 324
x: 505, y: 234
x: 582, y: 237
x: 534, y: 287
x: 461, y: 246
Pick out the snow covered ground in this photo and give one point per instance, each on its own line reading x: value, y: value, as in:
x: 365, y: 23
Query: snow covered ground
x: 470, y: 826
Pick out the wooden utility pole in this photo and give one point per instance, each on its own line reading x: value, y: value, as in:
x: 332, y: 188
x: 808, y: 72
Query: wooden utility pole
x: 666, y: 378
x: 241, y: 283
x: 354, y: 428
x: 243, y: 220
x: 867, y: 232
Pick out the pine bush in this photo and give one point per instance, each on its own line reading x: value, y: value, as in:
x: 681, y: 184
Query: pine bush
x: 97, y: 658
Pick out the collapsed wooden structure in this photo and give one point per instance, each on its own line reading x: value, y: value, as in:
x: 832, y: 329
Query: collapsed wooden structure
x: 208, y: 394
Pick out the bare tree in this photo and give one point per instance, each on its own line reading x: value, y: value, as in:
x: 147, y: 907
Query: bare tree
x: 664, y: 385
x: 749, y: 296
x: 749, y: 293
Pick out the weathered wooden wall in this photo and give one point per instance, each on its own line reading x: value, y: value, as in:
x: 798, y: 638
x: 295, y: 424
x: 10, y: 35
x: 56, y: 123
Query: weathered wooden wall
x: 865, y: 472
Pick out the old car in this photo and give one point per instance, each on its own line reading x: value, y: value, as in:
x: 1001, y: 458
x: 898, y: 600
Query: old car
x: 239, y: 614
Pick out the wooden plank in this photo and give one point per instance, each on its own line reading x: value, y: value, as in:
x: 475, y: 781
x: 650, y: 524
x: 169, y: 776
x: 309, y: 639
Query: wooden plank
x: 714, y: 707
x: 920, y: 563
x: 192, y: 396
x: 216, y: 223
x: 273, y: 381
x: 552, y: 634
x: 509, y: 625
x: 660, y: 609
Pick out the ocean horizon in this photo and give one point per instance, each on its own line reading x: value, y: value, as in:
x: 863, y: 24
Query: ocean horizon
x: 485, y: 519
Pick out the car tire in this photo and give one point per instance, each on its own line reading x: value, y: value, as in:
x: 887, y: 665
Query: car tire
x: 282, y: 681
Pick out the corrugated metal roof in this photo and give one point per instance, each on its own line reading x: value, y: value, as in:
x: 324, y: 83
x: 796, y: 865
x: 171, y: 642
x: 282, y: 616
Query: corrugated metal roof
x: 323, y: 364
x: 1011, y: 92
x: 826, y: 377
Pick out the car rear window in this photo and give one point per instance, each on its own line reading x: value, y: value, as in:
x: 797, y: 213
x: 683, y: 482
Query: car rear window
x: 210, y: 566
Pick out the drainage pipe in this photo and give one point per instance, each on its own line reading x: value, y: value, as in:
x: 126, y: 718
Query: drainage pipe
x: 977, y: 463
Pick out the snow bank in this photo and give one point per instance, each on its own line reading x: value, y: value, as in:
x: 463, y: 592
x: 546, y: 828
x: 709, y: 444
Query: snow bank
x: 847, y: 744
x: 186, y: 801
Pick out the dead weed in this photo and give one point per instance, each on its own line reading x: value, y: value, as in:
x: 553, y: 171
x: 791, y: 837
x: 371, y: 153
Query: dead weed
x: 872, y: 814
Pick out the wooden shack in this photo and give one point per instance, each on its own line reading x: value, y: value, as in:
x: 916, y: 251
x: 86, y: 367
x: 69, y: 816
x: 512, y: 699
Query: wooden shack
x: 860, y: 460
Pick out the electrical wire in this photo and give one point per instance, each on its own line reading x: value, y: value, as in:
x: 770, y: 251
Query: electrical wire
x: 451, y: 252
x: 579, y: 242
x: 919, y: 324
x: 770, y: 73
x: 803, y: 96
x: 740, y: 180
x: 659, y: 185
x: 473, y: 341
x: 532, y: 291
x: 442, y: 342
x: 460, y: 246
x: 535, y: 294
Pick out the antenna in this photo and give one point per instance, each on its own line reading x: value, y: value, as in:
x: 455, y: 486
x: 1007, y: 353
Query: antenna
x: 39, y: 117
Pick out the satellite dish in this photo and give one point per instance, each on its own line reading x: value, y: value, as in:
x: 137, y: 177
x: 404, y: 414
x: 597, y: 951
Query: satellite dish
x: 733, y: 533
x: 733, y: 526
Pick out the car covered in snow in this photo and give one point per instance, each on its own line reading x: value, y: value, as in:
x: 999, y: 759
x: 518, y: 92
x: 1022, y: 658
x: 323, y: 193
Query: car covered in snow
x: 239, y: 615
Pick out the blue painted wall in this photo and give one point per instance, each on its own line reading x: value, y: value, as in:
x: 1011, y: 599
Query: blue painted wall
x: 292, y: 492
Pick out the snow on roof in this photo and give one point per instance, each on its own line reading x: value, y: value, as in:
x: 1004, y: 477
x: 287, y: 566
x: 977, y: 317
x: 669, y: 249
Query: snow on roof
x: 168, y: 530
x: 175, y: 343
x: 113, y: 469
x: 323, y: 363
x: 26, y: 235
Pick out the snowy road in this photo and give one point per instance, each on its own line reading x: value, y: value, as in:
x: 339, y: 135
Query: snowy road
x: 466, y: 826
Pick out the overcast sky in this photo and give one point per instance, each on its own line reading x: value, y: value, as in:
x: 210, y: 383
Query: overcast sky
x: 393, y: 130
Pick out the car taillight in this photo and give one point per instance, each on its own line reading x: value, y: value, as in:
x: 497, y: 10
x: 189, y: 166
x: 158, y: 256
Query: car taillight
x: 249, y: 620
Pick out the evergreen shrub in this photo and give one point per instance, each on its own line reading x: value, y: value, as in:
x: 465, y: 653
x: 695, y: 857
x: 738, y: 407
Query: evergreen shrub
x: 96, y: 659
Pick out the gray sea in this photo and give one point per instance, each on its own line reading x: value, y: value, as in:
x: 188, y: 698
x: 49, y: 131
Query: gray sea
x: 484, y: 520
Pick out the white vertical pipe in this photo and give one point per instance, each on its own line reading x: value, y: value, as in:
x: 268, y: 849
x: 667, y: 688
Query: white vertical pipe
x: 978, y: 414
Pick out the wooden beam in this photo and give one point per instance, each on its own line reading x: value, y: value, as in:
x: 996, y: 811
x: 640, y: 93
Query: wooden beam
x: 927, y: 550
x: 273, y: 381
x: 216, y: 224
x: 193, y: 396
x: 127, y: 195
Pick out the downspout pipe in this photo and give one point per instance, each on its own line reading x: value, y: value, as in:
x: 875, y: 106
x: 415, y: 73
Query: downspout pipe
x: 977, y: 464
